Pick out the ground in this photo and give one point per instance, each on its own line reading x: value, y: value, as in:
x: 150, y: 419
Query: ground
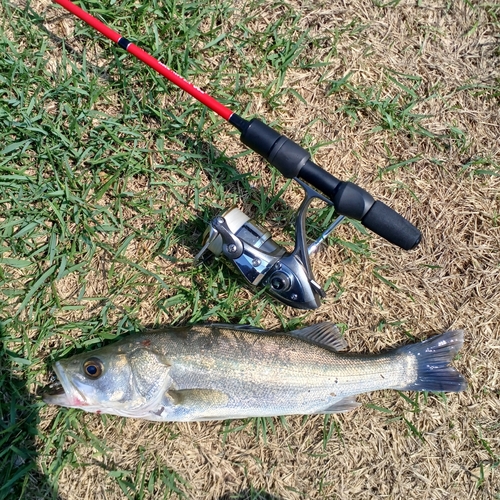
x: 109, y: 175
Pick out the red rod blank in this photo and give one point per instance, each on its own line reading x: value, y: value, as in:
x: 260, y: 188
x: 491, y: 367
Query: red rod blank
x: 142, y: 55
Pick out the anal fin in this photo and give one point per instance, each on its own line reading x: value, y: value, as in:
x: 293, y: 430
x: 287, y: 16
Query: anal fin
x: 343, y: 405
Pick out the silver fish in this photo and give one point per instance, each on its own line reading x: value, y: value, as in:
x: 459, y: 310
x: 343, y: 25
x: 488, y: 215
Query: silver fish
x: 214, y: 372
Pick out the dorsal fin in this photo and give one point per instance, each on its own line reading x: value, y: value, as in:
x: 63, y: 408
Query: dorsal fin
x: 243, y: 328
x: 325, y: 335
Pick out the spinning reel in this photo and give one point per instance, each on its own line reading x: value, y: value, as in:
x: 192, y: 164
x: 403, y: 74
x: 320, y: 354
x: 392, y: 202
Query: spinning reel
x: 263, y: 262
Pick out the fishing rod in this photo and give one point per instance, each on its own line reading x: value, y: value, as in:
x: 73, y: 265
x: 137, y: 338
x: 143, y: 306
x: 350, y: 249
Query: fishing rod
x: 287, y: 275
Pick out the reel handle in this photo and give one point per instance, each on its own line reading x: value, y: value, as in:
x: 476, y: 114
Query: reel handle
x: 348, y: 199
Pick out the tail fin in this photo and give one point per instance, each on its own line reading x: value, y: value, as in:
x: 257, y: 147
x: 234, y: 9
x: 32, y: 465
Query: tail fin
x: 433, y: 363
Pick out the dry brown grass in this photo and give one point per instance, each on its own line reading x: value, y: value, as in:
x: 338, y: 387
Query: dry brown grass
x: 450, y: 281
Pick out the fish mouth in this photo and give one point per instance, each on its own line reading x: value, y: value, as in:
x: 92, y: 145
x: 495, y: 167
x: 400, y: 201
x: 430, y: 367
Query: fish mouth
x: 61, y: 392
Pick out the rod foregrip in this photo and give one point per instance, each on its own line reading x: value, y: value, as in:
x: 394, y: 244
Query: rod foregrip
x: 347, y: 198
x: 284, y: 154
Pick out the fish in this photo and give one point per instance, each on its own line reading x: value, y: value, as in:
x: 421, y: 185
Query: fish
x: 219, y: 372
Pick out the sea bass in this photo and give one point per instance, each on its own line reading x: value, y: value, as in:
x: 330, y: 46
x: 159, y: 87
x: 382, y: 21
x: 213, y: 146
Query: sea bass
x: 214, y: 372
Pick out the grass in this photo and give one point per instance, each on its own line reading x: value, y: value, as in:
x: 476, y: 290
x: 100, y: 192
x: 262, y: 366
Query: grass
x: 109, y: 176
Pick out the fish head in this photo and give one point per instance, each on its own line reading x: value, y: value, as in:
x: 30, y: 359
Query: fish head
x: 119, y: 381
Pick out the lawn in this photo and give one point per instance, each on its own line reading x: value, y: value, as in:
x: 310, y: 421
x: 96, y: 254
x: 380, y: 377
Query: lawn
x: 109, y: 176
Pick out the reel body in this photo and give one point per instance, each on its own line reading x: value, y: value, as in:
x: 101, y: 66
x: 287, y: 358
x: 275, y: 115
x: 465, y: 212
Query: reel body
x: 287, y: 276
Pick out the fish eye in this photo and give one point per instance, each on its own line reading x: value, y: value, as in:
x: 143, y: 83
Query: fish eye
x: 93, y: 368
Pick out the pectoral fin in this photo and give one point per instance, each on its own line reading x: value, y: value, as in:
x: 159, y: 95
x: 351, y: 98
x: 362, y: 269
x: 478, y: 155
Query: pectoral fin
x: 199, y: 399
x: 346, y: 404
x: 325, y: 335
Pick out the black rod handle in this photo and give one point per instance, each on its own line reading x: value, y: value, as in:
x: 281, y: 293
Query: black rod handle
x: 348, y: 199
x: 353, y: 201
x: 392, y: 226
